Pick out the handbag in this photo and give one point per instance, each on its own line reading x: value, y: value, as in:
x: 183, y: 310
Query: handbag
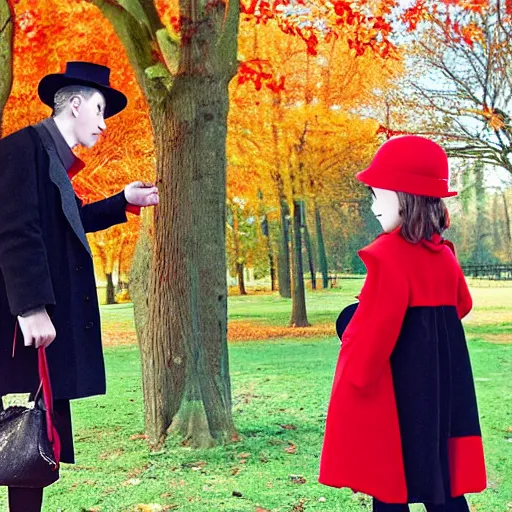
x: 29, y: 442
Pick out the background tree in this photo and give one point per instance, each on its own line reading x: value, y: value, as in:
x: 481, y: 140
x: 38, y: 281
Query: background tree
x: 461, y: 56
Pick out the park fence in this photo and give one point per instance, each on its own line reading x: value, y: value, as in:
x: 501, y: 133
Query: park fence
x: 502, y: 272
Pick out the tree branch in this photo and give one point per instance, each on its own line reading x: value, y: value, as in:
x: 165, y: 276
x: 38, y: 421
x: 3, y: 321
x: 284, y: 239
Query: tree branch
x: 228, y: 38
x: 136, y: 37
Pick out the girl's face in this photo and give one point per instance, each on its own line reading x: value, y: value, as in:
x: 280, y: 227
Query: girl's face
x: 386, y: 208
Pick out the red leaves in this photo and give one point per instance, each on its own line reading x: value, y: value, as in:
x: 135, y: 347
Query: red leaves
x: 458, y: 27
x: 469, y: 5
x: 259, y: 73
x: 313, y: 21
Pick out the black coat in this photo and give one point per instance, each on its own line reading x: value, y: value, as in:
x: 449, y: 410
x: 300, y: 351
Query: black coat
x: 45, y: 259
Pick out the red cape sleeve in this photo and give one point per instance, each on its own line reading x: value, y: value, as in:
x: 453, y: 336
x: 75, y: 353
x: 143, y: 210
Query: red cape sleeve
x: 464, y: 300
x: 372, y: 334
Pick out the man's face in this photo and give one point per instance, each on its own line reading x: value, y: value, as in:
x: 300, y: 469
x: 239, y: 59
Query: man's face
x: 89, y: 123
x: 386, y: 208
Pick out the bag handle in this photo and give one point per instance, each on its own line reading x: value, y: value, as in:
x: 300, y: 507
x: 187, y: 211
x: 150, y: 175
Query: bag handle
x: 44, y: 375
x: 46, y: 388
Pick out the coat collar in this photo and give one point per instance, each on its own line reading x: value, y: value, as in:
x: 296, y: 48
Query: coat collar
x: 59, y: 177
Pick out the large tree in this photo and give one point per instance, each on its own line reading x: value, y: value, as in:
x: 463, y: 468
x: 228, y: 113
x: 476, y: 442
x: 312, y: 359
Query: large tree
x: 180, y: 290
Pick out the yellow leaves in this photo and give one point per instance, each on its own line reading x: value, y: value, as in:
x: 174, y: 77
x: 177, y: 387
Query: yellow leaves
x: 152, y: 507
x: 246, y: 331
x: 495, y: 119
x: 472, y: 33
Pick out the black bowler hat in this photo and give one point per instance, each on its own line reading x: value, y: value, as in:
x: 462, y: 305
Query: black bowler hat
x: 88, y: 74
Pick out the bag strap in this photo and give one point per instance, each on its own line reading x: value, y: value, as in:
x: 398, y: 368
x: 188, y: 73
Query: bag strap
x: 44, y: 375
x: 46, y: 388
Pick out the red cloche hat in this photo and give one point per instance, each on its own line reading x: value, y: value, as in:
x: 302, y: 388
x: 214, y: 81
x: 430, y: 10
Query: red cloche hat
x: 410, y: 164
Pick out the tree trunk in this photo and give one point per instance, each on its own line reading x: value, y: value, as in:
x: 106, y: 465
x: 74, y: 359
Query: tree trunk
x: 479, y: 252
x: 270, y: 253
x: 283, y: 258
x: 240, y: 277
x: 183, y: 338
x: 186, y: 343
x: 272, y: 265
x: 265, y: 229
x: 322, y: 256
x: 508, y: 233
x: 299, y: 315
x: 238, y: 257
x: 309, y: 248
x: 6, y: 56
x: 111, y: 296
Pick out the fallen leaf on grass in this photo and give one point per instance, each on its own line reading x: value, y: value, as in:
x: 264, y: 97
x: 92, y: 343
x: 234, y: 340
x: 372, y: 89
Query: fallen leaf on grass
x: 291, y: 449
x: 259, y: 509
x: 136, y: 437
x: 194, y: 466
x: 289, y: 427
x: 298, y: 479
x: 111, y: 455
x: 133, y: 481
x: 152, y: 507
x: 275, y: 442
x: 243, y: 455
x: 299, y: 507
x: 235, y: 471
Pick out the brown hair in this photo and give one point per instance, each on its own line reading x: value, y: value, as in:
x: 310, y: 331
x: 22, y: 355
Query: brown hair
x: 422, y: 216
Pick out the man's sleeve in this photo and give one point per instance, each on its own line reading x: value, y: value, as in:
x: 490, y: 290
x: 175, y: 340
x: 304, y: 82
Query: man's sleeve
x: 23, y: 258
x: 105, y: 213
x: 373, y: 332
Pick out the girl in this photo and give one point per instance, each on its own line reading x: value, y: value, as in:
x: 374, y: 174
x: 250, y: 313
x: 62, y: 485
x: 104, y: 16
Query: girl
x: 402, y: 424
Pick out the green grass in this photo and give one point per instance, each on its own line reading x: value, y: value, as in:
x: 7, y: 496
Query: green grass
x: 277, y: 382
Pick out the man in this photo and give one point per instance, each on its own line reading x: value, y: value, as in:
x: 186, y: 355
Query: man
x: 47, y: 282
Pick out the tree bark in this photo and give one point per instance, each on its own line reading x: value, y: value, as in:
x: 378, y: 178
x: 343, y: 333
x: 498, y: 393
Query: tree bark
x: 265, y: 229
x: 322, y: 256
x: 182, y: 318
x: 283, y: 258
x: 239, y: 262
x: 189, y: 287
x: 299, y: 315
x: 270, y: 252
x: 508, y: 233
x: 240, y: 277
x: 309, y: 248
x: 111, y: 296
x: 6, y: 56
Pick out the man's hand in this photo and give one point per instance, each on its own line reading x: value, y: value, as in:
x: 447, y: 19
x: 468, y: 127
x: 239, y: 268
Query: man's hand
x: 37, y: 329
x: 141, y: 194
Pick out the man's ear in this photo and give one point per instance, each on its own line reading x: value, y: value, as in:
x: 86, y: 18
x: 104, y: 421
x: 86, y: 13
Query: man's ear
x: 75, y: 102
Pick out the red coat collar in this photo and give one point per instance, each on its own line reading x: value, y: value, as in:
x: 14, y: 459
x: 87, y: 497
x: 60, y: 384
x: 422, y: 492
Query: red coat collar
x: 77, y: 166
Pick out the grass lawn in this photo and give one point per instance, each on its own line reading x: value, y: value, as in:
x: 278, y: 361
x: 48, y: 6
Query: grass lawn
x: 281, y: 389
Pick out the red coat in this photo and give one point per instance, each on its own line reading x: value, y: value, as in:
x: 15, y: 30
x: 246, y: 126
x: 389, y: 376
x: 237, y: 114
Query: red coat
x: 402, y: 423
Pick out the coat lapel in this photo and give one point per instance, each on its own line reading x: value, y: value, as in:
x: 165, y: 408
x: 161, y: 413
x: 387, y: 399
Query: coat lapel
x: 59, y: 177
